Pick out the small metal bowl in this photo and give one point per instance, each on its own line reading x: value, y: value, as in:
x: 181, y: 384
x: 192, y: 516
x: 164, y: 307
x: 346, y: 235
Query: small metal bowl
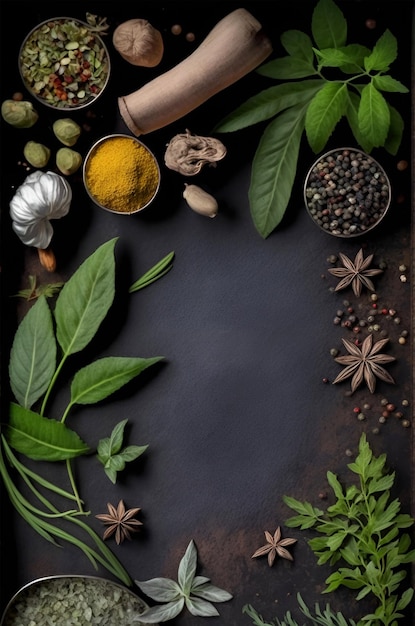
x: 64, y: 64
x: 116, y: 197
x: 101, y: 599
x: 347, y: 192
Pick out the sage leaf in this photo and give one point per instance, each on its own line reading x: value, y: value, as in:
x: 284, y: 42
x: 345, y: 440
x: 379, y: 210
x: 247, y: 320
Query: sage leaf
x: 274, y: 168
x: 160, y: 589
x: 162, y: 612
x: 298, y: 44
x: 201, y: 608
x: 187, y: 568
x: 383, y: 54
x: 269, y: 103
x: 373, y: 115
x: 85, y: 299
x: 99, y: 379
x: 210, y: 592
x: 40, y: 438
x: 324, y: 112
x: 287, y: 67
x: 33, y: 354
x: 395, y: 132
x: 328, y: 25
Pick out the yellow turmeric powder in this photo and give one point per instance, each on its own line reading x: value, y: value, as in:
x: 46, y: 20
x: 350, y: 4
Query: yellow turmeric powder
x: 121, y: 174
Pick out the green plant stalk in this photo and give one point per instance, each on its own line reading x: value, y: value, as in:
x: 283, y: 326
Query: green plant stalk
x: 33, y: 516
x: 157, y: 271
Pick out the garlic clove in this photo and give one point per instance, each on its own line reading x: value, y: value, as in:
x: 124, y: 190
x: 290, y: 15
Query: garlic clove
x: 200, y: 200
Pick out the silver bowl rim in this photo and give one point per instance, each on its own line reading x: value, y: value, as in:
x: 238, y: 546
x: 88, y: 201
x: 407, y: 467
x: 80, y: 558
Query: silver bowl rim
x: 376, y: 162
x: 65, y: 109
x: 46, y: 579
x: 88, y: 155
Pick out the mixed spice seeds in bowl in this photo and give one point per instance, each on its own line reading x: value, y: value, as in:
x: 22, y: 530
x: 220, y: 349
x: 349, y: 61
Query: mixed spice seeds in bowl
x: 64, y: 63
x: 347, y: 192
x: 121, y: 174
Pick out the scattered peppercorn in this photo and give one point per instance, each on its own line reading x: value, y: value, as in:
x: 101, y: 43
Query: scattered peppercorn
x: 176, y: 29
x: 402, y: 165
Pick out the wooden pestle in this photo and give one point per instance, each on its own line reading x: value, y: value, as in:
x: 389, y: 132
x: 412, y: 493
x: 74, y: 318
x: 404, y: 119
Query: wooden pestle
x: 233, y: 48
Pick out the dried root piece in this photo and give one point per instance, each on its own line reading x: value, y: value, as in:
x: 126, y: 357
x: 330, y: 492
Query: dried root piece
x: 187, y: 153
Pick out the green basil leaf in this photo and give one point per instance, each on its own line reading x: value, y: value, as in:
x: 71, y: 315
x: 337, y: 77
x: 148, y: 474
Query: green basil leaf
x: 353, y: 120
x: 356, y: 58
x: 274, y: 168
x: 131, y: 453
x: 298, y: 44
x: 405, y: 599
x: 268, y: 103
x: 116, y: 438
x: 324, y: 112
x: 85, y: 299
x: 33, y: 354
x: 387, y: 83
x: 103, y: 377
x: 40, y: 438
x: 374, y: 116
x: 383, y: 54
x: 187, y: 568
x: 328, y: 25
x: 287, y: 68
x: 111, y: 472
x: 395, y: 132
x: 332, y: 57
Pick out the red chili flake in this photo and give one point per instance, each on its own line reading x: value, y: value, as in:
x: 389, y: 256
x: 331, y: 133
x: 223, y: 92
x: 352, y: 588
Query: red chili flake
x: 374, y: 305
x: 384, y: 311
x: 356, y: 409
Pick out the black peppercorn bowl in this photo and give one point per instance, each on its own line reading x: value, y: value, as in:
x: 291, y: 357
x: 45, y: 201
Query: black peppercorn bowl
x: 347, y: 192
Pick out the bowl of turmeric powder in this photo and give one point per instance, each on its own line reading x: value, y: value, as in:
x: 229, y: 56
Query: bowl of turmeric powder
x: 121, y: 174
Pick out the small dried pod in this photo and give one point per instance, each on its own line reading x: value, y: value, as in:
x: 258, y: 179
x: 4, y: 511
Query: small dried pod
x: 187, y: 153
x: 200, y: 200
x: 36, y: 154
x: 139, y: 43
x: 68, y: 161
x: 67, y: 131
x: 47, y: 259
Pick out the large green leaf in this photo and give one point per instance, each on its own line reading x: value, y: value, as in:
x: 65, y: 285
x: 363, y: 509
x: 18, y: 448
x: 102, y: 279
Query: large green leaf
x: 103, y: 377
x: 394, y: 138
x: 374, y: 116
x: 298, y: 44
x: 383, y: 54
x: 328, y: 25
x: 353, y: 119
x: 33, y: 354
x: 85, y: 299
x: 40, y: 438
x: 325, y: 110
x: 274, y: 168
x: 269, y: 103
x: 287, y: 68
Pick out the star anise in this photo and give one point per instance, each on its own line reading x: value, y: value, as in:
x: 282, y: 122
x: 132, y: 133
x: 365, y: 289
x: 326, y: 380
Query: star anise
x: 119, y: 521
x: 355, y: 273
x: 364, y: 364
x: 274, y: 547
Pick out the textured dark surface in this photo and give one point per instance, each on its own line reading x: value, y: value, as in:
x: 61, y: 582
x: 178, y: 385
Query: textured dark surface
x: 238, y: 414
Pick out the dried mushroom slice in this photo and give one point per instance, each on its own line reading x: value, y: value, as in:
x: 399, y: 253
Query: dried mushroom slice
x: 187, y: 153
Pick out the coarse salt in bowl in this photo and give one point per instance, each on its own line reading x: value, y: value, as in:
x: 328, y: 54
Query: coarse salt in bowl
x: 347, y: 192
x: 64, y: 63
x: 121, y: 174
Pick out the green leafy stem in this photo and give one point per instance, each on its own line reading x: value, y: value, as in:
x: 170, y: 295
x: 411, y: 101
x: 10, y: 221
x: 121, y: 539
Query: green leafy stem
x: 80, y: 308
x: 313, y: 104
x: 362, y: 531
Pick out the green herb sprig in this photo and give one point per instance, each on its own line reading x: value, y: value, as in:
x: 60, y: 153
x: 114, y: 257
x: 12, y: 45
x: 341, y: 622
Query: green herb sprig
x: 154, y: 273
x: 42, y: 344
x: 362, y: 532
x: 195, y: 592
x: 313, y: 104
x: 113, y: 456
x: 321, y: 617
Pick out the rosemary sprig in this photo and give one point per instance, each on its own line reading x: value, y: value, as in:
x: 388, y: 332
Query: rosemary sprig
x: 157, y: 271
